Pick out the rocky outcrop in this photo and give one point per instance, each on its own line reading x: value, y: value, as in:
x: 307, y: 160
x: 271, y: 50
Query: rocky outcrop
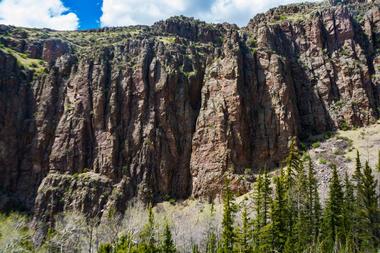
x: 170, y: 111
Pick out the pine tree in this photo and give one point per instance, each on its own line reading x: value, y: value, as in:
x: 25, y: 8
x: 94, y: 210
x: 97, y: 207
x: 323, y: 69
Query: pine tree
x: 358, y: 169
x: 278, y: 215
x: 105, y: 248
x: 194, y: 249
x: 244, y: 236
x: 147, y: 234
x: 211, y: 245
x: 368, y: 210
x: 262, y: 199
x: 266, y: 199
x: 168, y: 245
x: 313, y: 205
x: 294, y: 164
x: 332, y: 223
x: 349, y: 216
x: 229, y: 209
x: 301, y: 226
x: 265, y: 238
x: 257, y: 192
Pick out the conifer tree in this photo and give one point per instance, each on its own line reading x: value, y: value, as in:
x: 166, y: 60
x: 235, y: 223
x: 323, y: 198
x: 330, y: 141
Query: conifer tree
x: 229, y: 209
x: 332, y: 223
x: 244, y: 235
x: 266, y: 199
x: 194, y: 249
x: 262, y: 199
x: 368, y: 210
x: 257, y: 192
x: 293, y: 163
x: 358, y: 169
x: 301, y: 226
x: 211, y: 245
x: 168, y: 245
x: 349, y: 216
x: 147, y: 234
x: 278, y: 215
x: 313, y: 203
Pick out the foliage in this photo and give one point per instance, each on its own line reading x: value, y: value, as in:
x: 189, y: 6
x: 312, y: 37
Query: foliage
x: 286, y: 216
x: 35, y: 65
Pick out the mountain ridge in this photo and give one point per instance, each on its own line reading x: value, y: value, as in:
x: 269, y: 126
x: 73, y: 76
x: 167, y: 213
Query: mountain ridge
x: 93, y: 119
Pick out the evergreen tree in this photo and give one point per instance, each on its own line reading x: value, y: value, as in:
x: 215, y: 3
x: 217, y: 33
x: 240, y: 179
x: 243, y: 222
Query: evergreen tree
x: 194, y: 249
x: 262, y: 199
x: 105, y: 248
x: 301, y: 226
x: 257, y: 192
x: 278, y: 215
x: 147, y: 234
x: 211, y: 245
x: 349, y: 216
x: 265, y: 238
x: 358, y: 169
x: 368, y: 210
x: 313, y: 205
x: 229, y: 209
x: 294, y: 164
x: 266, y: 199
x: 244, y: 236
x: 168, y: 245
x: 332, y: 223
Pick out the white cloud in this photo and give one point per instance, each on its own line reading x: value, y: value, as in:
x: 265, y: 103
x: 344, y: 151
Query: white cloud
x: 130, y: 12
x: 38, y: 13
x: 241, y: 11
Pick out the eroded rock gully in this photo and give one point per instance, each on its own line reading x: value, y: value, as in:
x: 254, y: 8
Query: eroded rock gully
x: 169, y: 111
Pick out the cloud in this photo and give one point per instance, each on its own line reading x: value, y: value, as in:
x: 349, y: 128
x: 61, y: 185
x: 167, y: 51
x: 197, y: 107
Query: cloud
x: 37, y: 13
x: 131, y: 12
x: 240, y: 11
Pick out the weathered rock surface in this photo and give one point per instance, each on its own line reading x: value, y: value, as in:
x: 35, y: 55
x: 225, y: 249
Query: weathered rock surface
x: 170, y: 111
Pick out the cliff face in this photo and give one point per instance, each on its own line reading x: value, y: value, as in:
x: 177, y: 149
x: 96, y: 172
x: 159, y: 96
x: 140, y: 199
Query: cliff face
x: 90, y: 120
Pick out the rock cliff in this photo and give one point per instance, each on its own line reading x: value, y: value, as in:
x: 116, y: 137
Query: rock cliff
x: 90, y: 120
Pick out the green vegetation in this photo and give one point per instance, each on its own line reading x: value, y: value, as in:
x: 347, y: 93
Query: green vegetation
x: 316, y: 144
x: 344, y: 126
x: 322, y: 161
x: 283, y: 214
x: 293, y: 17
x: 38, y: 66
x: 168, y: 39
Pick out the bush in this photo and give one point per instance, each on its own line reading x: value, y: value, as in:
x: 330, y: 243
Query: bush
x: 316, y: 144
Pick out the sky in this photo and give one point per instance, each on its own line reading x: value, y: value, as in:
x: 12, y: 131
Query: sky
x: 87, y: 14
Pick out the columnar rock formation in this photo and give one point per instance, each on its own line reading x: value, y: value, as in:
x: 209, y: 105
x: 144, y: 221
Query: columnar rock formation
x: 169, y: 111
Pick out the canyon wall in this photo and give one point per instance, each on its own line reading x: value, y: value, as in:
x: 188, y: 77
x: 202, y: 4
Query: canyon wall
x: 90, y: 120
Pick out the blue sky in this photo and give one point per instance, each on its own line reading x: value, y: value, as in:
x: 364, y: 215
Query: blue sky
x: 88, y: 11
x: 86, y: 14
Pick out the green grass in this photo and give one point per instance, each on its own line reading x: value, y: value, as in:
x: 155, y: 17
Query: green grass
x: 167, y: 40
x: 322, y: 161
x: 316, y: 144
x: 35, y: 65
x: 295, y: 17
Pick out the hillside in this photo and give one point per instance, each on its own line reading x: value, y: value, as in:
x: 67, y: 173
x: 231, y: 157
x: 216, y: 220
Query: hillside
x: 91, y: 120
